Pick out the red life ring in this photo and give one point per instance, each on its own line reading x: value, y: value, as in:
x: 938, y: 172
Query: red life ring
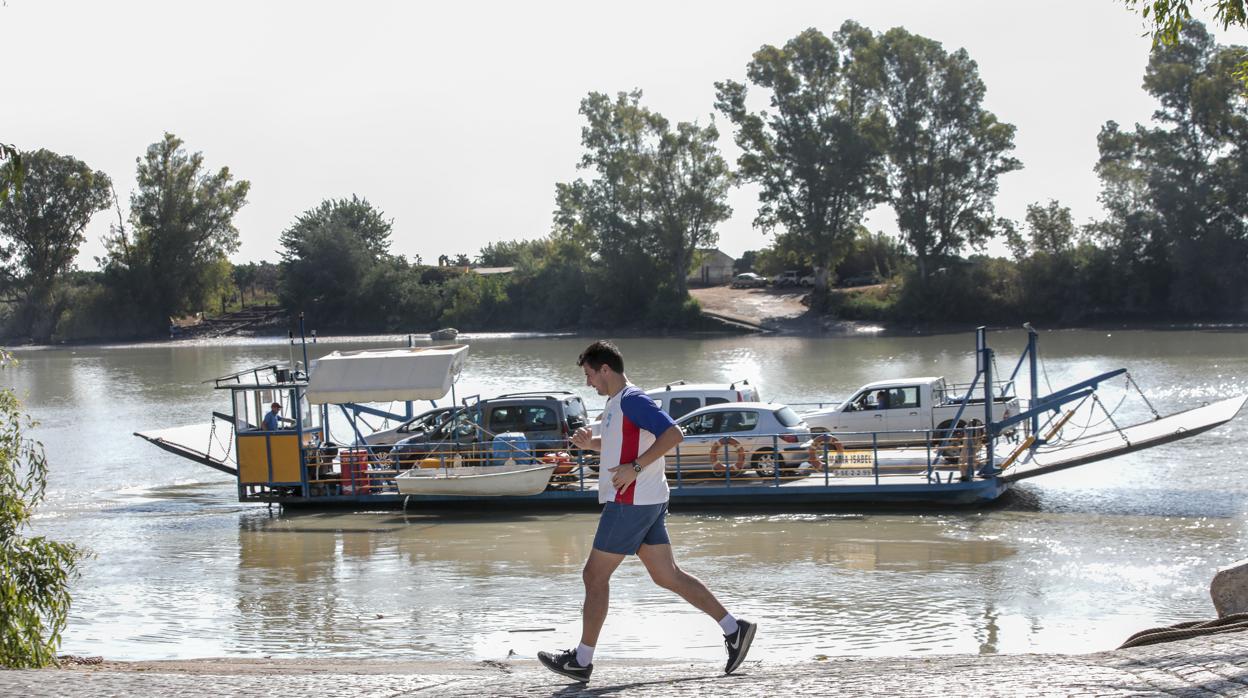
x: 717, y: 465
x: 563, y: 462
x: 812, y: 452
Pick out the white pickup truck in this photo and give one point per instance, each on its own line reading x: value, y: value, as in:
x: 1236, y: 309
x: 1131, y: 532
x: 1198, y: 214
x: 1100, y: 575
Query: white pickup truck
x: 902, y: 412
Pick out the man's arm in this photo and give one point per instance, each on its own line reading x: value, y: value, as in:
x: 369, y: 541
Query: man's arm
x: 666, y: 442
x: 623, y: 474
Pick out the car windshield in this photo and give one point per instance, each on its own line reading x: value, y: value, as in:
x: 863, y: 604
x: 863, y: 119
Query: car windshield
x: 788, y: 417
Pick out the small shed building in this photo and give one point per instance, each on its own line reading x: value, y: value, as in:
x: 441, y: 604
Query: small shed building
x: 712, y: 267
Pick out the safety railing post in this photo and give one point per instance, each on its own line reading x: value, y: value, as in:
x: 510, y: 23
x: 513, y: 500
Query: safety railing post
x: 875, y: 455
x: 775, y: 459
x: 1035, y: 380
x: 827, y: 465
x: 930, y: 466
x: 679, y: 470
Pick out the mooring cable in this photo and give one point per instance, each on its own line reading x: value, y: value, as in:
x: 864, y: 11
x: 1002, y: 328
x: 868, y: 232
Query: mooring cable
x: 1229, y: 623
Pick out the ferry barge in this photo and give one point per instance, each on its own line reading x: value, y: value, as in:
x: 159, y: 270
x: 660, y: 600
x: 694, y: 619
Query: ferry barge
x: 301, y: 463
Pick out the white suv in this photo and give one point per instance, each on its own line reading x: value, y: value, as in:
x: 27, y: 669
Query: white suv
x: 680, y: 398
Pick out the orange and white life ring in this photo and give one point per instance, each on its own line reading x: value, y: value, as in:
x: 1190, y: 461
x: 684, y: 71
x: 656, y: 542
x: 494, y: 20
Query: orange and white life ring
x: 563, y: 462
x: 812, y: 452
x: 717, y: 465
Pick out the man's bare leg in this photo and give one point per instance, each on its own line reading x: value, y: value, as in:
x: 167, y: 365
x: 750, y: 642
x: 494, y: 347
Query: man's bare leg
x: 661, y: 565
x: 597, y: 577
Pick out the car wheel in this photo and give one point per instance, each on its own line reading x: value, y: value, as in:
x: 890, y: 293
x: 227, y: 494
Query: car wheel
x: 766, y: 461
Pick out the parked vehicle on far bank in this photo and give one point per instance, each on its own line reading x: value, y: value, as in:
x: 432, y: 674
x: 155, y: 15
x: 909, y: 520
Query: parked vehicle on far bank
x: 905, y: 411
x: 748, y: 280
x: 860, y: 280
x: 793, y: 277
x: 788, y: 277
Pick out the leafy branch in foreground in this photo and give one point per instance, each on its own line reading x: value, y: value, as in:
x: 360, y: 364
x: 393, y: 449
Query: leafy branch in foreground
x: 1167, y: 17
x: 11, y: 181
x: 35, y: 573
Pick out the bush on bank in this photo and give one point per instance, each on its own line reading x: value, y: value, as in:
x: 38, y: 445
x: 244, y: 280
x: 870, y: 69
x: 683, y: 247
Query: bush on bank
x: 35, y: 572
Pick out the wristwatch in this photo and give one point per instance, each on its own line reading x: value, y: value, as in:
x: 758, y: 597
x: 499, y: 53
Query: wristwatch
x: 638, y: 467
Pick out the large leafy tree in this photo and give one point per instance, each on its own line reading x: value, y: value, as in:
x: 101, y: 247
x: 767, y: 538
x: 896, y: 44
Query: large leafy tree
x: 657, y: 195
x: 1051, y: 228
x: 817, y: 153
x: 1177, y: 191
x: 945, y: 151
x: 329, y: 258
x: 688, y: 189
x: 174, y: 260
x: 41, y: 230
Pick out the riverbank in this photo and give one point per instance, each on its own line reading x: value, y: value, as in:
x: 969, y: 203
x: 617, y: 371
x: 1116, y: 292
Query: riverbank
x: 1210, y: 665
x: 725, y: 311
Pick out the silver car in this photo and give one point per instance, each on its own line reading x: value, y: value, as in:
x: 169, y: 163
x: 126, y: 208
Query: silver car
x: 744, y: 437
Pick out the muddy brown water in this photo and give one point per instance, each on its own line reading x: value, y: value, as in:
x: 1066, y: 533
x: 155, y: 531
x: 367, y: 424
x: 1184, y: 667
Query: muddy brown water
x: 1070, y: 562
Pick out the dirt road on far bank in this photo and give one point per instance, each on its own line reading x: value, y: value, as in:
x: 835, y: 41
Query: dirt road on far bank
x: 776, y: 310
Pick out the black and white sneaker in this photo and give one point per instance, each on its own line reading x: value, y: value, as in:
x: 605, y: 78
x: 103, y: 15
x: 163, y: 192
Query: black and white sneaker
x: 565, y: 663
x: 738, y: 644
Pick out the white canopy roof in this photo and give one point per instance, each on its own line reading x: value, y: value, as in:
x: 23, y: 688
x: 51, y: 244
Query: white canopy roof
x: 385, y: 375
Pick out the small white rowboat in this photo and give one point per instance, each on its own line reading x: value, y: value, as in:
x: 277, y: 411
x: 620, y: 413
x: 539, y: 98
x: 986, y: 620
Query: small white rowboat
x: 508, y: 480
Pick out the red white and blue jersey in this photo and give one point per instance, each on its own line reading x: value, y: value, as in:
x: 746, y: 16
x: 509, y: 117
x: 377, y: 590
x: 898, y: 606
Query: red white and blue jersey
x: 631, y: 422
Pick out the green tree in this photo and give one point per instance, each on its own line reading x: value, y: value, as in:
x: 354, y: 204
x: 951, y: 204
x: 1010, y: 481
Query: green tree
x: 255, y: 278
x: 182, y: 218
x: 12, y: 179
x: 40, y: 231
x: 329, y: 255
x: 873, y: 254
x: 745, y: 262
x: 1177, y: 192
x: 688, y: 190
x: 1051, y: 228
x: 657, y: 196
x: 945, y: 151
x: 35, y: 573
x: 1166, y: 18
x: 510, y: 253
x: 817, y: 156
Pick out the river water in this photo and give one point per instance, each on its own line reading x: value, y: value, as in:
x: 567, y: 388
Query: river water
x: 1073, y: 561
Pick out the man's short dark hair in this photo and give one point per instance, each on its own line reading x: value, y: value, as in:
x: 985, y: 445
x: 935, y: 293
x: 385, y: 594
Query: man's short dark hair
x: 602, y: 352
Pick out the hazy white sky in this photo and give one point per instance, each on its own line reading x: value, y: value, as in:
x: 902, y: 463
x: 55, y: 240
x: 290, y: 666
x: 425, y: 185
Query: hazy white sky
x: 457, y: 119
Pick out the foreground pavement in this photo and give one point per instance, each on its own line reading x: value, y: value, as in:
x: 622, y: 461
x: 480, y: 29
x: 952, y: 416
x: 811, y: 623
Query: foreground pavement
x: 1214, y: 665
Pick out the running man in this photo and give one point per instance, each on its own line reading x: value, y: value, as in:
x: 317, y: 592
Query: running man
x: 632, y: 484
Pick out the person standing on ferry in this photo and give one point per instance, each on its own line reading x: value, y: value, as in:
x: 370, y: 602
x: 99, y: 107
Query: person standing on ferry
x: 273, y: 420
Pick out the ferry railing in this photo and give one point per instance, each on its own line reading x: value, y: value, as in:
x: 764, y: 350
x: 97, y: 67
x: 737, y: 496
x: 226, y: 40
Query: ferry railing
x: 361, y: 471
x: 832, y: 402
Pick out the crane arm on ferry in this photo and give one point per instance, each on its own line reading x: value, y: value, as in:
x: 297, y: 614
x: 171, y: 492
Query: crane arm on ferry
x: 1051, y: 402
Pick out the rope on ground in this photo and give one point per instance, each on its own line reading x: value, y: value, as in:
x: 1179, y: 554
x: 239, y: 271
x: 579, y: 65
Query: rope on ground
x: 1229, y: 623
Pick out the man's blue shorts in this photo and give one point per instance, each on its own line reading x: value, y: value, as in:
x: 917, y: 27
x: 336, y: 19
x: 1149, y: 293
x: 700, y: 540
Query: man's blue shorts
x: 623, y: 528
